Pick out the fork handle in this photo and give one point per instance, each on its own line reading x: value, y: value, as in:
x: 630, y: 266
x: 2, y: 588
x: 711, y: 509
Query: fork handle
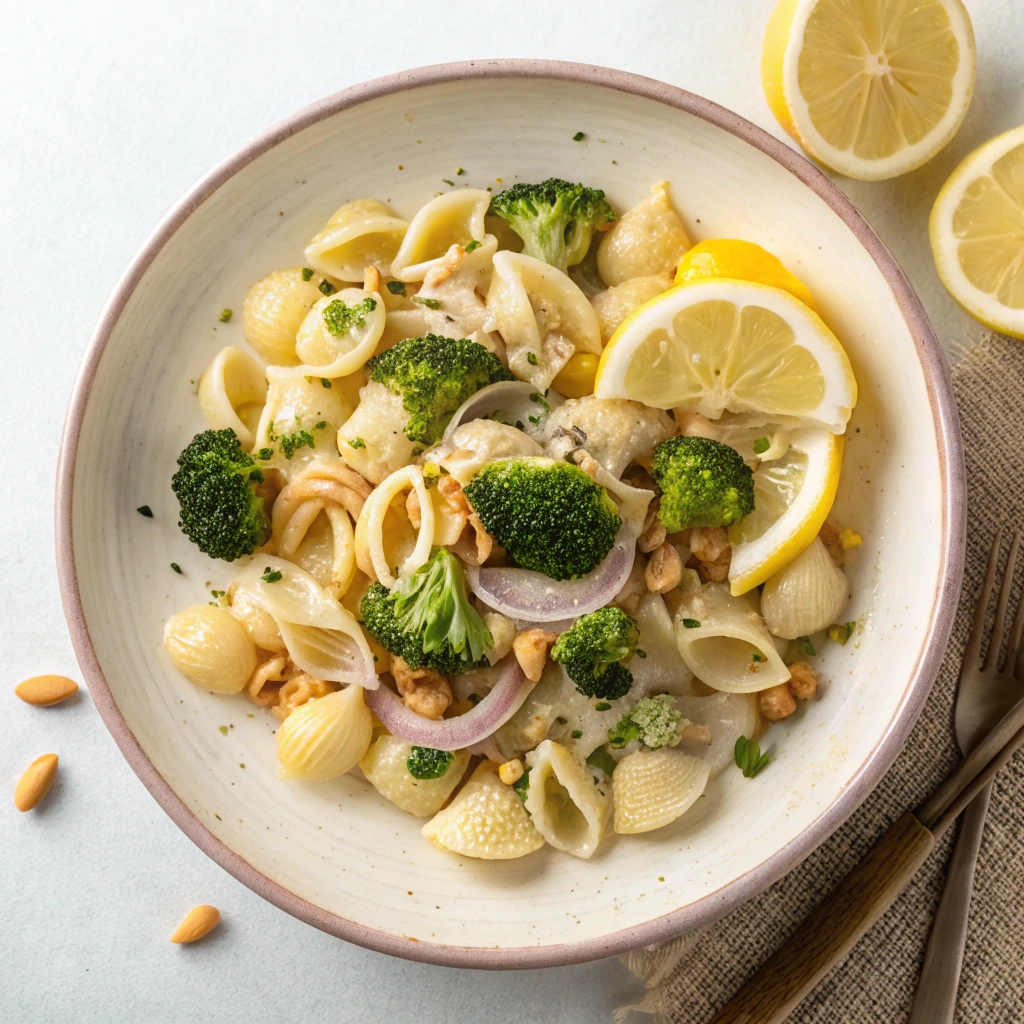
x: 935, y: 999
x: 831, y: 930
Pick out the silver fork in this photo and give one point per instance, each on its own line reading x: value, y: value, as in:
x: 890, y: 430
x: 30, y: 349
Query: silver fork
x: 984, y: 694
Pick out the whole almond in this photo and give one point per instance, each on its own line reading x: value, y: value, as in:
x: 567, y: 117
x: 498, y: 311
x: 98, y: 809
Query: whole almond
x: 42, y: 691
x: 199, y: 921
x: 35, y: 782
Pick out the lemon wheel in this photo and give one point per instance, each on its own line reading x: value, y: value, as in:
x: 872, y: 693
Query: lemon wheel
x: 792, y: 498
x: 870, y: 89
x: 725, y: 345
x: 977, y: 233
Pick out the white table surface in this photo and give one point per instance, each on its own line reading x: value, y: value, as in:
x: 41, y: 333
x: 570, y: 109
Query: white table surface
x: 109, y: 112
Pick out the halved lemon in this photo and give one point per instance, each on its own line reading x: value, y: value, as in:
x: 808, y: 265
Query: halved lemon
x: 792, y: 497
x: 722, y: 344
x: 977, y: 233
x: 871, y: 88
x: 742, y: 260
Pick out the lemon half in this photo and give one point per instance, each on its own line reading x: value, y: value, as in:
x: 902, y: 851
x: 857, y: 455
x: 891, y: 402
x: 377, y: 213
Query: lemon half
x: 792, y: 498
x: 977, y: 233
x: 726, y: 345
x: 871, y: 88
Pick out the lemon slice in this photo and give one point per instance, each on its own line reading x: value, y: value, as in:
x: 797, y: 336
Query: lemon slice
x: 744, y: 261
x: 871, y: 89
x: 977, y: 233
x: 731, y: 345
x: 792, y: 497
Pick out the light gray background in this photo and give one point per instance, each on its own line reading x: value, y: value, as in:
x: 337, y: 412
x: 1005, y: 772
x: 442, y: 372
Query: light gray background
x: 108, y: 113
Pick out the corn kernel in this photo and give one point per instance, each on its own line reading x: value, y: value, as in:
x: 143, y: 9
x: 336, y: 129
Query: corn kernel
x: 511, y: 771
x: 576, y: 379
x: 850, y: 539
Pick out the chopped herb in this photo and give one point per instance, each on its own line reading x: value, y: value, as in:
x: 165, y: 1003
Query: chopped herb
x: 429, y: 303
x: 396, y: 287
x: 534, y: 419
x: 271, y: 575
x: 177, y: 568
x: 474, y: 699
x: 470, y: 246
x: 145, y: 510
x: 531, y: 358
x: 326, y: 287
x: 357, y: 442
x: 576, y: 734
x: 448, y: 181
x: 225, y: 315
x: 758, y: 657
x: 561, y: 721
x: 761, y: 445
x: 600, y: 758
x: 540, y: 400
x: 341, y: 318
x: 749, y: 758
x: 806, y: 646
x: 290, y: 443
x: 265, y: 453
x: 428, y: 763
x: 322, y: 425
x: 223, y: 730
x: 459, y: 170
x: 603, y: 706
x: 307, y: 273
x: 522, y: 784
x: 324, y: 382
x: 578, y: 137
x: 217, y: 593
x: 661, y: 878
x: 691, y: 623
x: 417, y: 451
x: 842, y: 632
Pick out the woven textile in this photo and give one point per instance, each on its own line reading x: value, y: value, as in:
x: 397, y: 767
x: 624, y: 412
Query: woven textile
x: 690, y: 978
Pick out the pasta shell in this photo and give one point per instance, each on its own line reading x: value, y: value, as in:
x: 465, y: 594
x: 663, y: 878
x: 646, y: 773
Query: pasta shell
x: 648, y: 239
x: 274, y: 308
x: 472, y: 445
x: 614, y: 304
x: 210, y: 648
x: 455, y: 218
x: 542, y: 315
x: 569, y: 808
x: 360, y: 234
x: 232, y: 392
x: 663, y: 670
x: 326, y: 737
x: 654, y: 787
x: 325, y: 354
x: 724, y: 641
x: 372, y: 440
x: 259, y: 624
x: 807, y: 595
x: 727, y: 716
x: 486, y: 820
x: 384, y: 765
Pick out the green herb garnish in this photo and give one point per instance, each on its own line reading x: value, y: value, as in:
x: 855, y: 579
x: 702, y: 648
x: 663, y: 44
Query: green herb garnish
x: 340, y: 318
x: 307, y: 273
x: 177, y: 568
x: 271, y: 575
x: 145, y: 510
x: 806, y: 646
x: 531, y: 358
x: 578, y: 137
x: 428, y: 763
x: 691, y: 623
x: 225, y: 315
x: 357, y: 442
x: 749, y: 758
x: 761, y: 445
x: 396, y: 287
x: 326, y: 287
x: 324, y: 382
x: 429, y: 303
x: 474, y: 244
x: 842, y: 632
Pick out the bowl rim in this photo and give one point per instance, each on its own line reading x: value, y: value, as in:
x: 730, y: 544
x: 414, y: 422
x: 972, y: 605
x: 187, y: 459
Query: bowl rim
x: 708, y: 908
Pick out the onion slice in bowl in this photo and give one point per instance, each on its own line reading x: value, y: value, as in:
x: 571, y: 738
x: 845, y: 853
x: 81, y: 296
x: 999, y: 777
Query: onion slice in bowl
x: 528, y: 595
x: 504, y: 700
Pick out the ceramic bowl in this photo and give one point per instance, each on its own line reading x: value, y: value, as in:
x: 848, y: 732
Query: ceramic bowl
x: 336, y: 854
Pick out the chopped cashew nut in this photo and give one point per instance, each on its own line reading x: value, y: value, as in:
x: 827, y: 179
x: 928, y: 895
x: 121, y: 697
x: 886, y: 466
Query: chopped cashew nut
x: 531, y: 649
x: 371, y: 279
x: 511, y: 771
x: 776, y: 702
x: 654, y: 530
x: 712, y: 553
x: 475, y: 544
x: 831, y: 538
x: 446, y: 266
x: 451, y: 490
x: 412, y: 509
x: 300, y: 690
x: 695, y: 733
x: 803, y: 681
x: 503, y: 632
x: 692, y: 424
x: 425, y: 691
x: 664, y: 570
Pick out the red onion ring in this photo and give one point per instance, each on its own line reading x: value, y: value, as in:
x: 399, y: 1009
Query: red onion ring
x: 504, y: 700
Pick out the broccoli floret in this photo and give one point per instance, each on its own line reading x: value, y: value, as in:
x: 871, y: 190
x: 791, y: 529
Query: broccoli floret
x: 547, y: 515
x: 427, y: 619
x: 428, y: 763
x: 555, y: 219
x: 216, y: 487
x: 434, y: 376
x: 654, y: 722
x: 593, y: 649
x: 703, y: 483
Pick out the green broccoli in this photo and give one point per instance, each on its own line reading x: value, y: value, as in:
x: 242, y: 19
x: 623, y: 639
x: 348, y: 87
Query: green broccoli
x: 654, y: 722
x: 593, y: 649
x: 428, y: 763
x: 555, y: 219
x: 703, y: 483
x: 434, y: 376
x: 216, y: 487
x: 427, y: 619
x: 547, y: 515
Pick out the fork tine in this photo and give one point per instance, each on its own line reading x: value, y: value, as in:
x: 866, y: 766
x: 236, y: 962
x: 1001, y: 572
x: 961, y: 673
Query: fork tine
x: 1014, y: 647
x: 999, y: 625
x: 972, y: 652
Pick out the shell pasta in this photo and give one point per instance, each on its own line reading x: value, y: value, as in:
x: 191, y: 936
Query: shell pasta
x: 508, y: 527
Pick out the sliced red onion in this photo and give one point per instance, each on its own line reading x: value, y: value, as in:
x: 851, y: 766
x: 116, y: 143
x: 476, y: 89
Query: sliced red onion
x: 525, y: 594
x: 504, y: 700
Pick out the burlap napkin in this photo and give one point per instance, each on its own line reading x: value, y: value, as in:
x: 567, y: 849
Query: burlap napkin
x: 690, y: 978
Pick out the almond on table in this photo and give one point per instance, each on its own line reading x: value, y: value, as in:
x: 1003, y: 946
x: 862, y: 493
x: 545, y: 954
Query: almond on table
x: 35, y: 782
x: 42, y: 691
x: 199, y: 921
